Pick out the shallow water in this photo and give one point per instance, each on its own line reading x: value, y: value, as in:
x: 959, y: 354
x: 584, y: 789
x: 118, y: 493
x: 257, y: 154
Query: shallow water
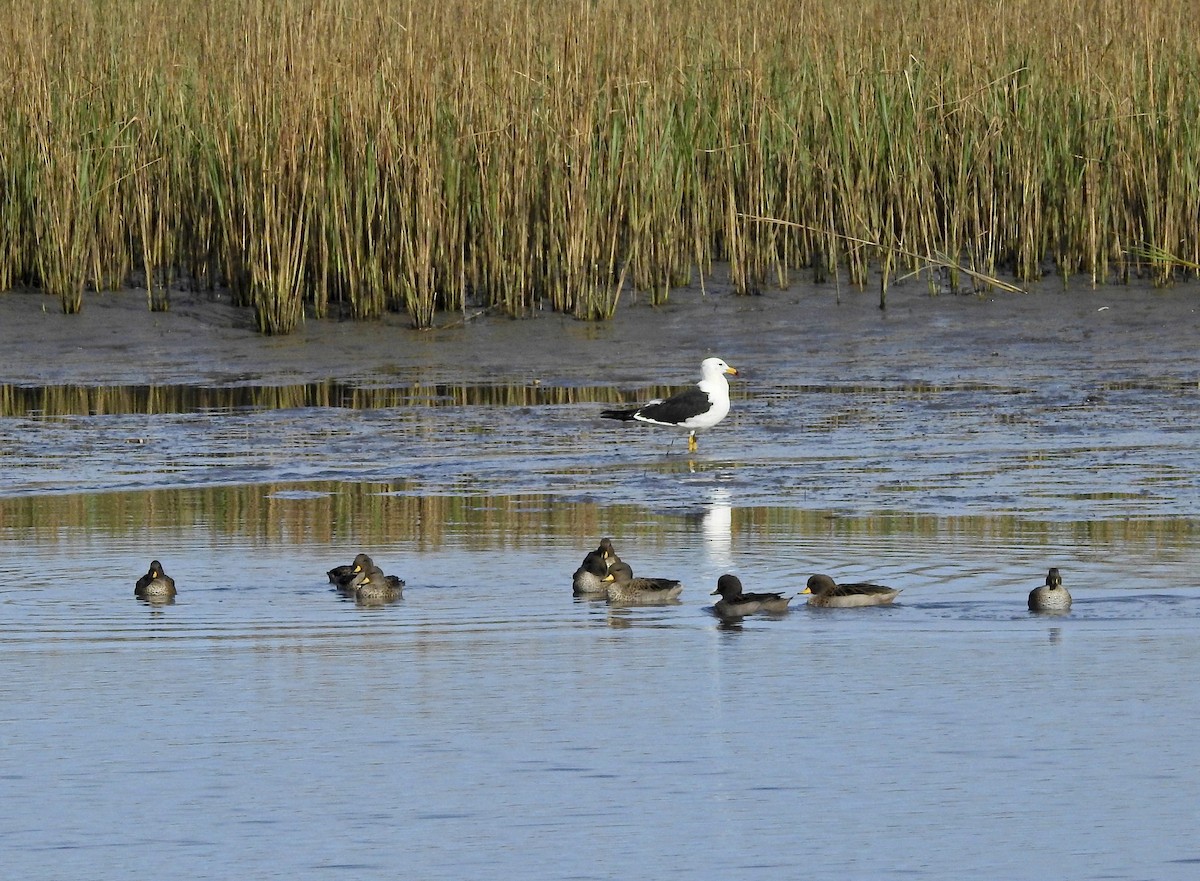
x: 1056, y: 406
x: 263, y: 726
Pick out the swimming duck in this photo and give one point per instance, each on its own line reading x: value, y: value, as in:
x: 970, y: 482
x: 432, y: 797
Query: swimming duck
x: 342, y: 576
x: 827, y: 592
x: 624, y: 588
x: 606, y: 550
x: 588, y: 579
x: 1050, y: 597
x: 619, y: 570
x: 155, y: 584
x: 371, y: 585
x: 736, y: 603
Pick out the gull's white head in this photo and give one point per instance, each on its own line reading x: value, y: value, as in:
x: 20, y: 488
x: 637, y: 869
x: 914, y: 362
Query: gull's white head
x: 712, y: 367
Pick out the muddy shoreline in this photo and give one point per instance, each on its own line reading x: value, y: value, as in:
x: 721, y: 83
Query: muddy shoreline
x: 807, y: 334
x: 1053, y: 405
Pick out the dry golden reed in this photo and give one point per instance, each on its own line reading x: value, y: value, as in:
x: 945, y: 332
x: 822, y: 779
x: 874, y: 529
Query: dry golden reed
x: 375, y: 155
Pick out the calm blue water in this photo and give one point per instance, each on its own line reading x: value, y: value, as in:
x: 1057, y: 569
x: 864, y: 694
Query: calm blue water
x: 490, y: 724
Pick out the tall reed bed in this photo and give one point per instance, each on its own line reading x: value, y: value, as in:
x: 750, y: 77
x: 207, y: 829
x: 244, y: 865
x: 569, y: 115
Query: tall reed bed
x: 387, y: 155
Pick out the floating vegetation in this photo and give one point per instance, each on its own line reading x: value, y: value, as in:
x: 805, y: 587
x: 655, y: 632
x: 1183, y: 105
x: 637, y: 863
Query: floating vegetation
x: 372, y: 156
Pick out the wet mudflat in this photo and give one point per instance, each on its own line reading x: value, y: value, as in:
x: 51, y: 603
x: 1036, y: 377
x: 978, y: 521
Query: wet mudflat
x: 1059, y: 405
x: 264, y: 726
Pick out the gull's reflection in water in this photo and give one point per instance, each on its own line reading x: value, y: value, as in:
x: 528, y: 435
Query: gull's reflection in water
x: 717, y: 524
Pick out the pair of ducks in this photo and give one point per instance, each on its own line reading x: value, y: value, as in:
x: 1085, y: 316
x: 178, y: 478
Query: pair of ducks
x: 605, y: 575
x: 821, y: 590
x: 365, y: 581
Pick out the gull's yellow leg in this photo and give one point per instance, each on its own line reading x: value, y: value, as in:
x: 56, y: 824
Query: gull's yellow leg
x: 692, y: 445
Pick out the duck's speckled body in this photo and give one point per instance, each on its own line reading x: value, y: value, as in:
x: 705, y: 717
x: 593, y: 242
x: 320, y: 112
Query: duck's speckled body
x: 1051, y: 596
x: 624, y: 589
x: 155, y: 584
x: 826, y: 592
x: 371, y: 585
x: 736, y: 603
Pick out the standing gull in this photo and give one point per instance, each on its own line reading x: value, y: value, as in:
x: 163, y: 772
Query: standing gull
x: 702, y: 406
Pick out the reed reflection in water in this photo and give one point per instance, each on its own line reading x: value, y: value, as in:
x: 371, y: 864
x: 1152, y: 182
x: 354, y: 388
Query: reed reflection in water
x: 1023, y: 440
x: 328, y: 512
x: 92, y: 400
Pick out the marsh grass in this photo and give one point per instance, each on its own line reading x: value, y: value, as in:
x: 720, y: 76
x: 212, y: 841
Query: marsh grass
x: 360, y: 157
